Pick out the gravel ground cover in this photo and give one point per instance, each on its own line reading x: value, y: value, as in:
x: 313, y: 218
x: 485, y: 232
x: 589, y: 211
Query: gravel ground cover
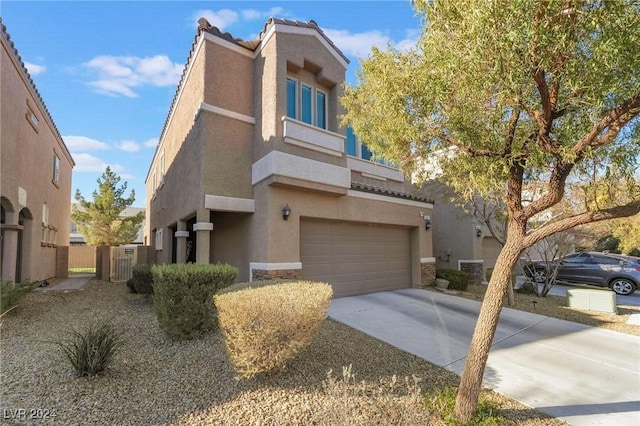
x: 556, y: 307
x: 156, y: 380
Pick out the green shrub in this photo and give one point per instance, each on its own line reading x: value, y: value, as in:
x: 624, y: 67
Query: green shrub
x: 458, y: 280
x: 11, y: 293
x: 131, y: 286
x: 442, y: 402
x: 265, y: 327
x: 183, y: 294
x: 143, y: 279
x: 527, y: 287
x: 91, y: 351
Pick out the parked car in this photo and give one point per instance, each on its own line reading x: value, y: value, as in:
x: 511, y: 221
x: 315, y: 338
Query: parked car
x: 618, y: 272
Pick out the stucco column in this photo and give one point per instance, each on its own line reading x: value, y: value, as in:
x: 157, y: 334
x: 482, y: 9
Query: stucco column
x: 9, y: 251
x: 203, y: 242
x: 181, y: 242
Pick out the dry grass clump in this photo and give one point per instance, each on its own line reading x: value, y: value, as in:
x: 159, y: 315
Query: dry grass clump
x: 265, y: 327
x: 389, y: 402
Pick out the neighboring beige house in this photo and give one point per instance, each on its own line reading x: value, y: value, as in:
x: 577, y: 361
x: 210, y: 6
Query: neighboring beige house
x: 35, y: 177
x: 462, y: 242
x: 76, y: 238
x: 253, y: 168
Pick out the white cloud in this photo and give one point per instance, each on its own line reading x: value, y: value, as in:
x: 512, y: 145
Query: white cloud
x: 151, y: 143
x: 252, y: 14
x: 119, y: 75
x: 35, y: 69
x: 83, y: 144
x: 221, y: 19
x: 129, y: 146
x: 410, y: 41
x: 360, y: 44
x: 357, y: 44
x: 90, y: 163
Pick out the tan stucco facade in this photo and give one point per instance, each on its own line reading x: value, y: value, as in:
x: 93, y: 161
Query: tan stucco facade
x: 230, y: 159
x: 35, y: 175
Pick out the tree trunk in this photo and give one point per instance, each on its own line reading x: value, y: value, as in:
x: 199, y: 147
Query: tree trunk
x: 471, y: 380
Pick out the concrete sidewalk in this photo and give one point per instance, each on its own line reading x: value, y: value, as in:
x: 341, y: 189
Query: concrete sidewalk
x: 580, y: 374
x: 68, y: 284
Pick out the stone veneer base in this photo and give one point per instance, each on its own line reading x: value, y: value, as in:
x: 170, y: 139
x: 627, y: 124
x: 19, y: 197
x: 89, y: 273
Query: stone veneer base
x: 283, y: 274
x: 427, y: 274
x: 475, y: 270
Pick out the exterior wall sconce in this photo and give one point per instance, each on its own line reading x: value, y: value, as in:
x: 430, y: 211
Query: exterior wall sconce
x: 286, y: 212
x: 427, y: 221
x: 478, y: 232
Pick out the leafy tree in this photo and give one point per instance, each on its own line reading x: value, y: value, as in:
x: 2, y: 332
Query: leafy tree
x: 515, y: 97
x: 628, y: 232
x: 100, y: 221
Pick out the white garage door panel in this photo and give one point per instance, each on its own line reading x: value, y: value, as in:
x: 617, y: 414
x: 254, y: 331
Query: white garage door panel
x: 355, y: 258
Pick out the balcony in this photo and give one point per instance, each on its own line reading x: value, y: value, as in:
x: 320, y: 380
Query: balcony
x: 313, y: 138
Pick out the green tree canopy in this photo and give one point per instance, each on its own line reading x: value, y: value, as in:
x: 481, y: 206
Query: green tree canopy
x: 100, y: 221
x: 519, y: 98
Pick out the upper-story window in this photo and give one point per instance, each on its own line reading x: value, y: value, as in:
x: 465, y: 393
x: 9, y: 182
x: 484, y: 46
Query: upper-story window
x: 356, y: 148
x: 56, y: 169
x: 310, y: 106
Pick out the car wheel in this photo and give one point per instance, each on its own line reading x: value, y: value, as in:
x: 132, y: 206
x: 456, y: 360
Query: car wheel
x: 622, y: 286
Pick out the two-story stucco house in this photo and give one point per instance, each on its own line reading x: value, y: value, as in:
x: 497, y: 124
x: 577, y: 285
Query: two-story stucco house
x: 35, y: 177
x: 254, y: 168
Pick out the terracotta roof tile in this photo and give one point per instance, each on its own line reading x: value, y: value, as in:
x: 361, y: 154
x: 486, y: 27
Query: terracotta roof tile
x: 358, y: 186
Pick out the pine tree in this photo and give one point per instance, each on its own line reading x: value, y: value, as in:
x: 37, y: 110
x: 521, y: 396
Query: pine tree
x: 100, y: 221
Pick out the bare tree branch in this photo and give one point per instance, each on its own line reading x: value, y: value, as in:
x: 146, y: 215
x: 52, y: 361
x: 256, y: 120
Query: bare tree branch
x: 610, y: 125
x: 581, y: 219
x: 555, y: 190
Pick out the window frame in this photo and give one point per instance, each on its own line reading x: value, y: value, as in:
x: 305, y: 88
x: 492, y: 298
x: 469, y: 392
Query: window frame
x: 295, y: 97
x: 360, y: 147
x: 310, y: 115
x: 325, y: 107
x: 303, y: 111
x: 55, y: 179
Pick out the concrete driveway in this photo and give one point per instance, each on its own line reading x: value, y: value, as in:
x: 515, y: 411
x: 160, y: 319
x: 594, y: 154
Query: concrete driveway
x: 581, y: 374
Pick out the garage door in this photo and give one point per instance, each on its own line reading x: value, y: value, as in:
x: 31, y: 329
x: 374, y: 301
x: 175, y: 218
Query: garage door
x: 355, y: 258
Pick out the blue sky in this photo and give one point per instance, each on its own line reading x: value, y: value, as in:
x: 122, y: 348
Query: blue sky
x: 108, y: 71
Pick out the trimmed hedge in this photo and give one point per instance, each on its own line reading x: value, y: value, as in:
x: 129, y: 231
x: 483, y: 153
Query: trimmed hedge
x: 458, y: 280
x: 183, y: 295
x: 264, y: 327
x: 143, y: 279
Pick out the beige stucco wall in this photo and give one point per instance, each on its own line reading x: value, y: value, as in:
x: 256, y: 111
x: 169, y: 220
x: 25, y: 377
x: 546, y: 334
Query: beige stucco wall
x: 274, y: 240
x: 215, y: 153
x: 26, y: 156
x: 227, y: 148
x: 297, y: 56
x: 229, y: 78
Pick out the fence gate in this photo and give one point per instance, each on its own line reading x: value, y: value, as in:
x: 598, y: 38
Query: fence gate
x: 122, y: 261
x: 82, y: 260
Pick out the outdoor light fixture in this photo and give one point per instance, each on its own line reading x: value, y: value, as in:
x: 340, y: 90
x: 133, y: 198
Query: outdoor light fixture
x: 286, y: 212
x: 427, y: 221
x: 478, y: 232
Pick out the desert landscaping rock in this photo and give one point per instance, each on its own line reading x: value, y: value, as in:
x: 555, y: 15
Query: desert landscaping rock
x: 156, y: 380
